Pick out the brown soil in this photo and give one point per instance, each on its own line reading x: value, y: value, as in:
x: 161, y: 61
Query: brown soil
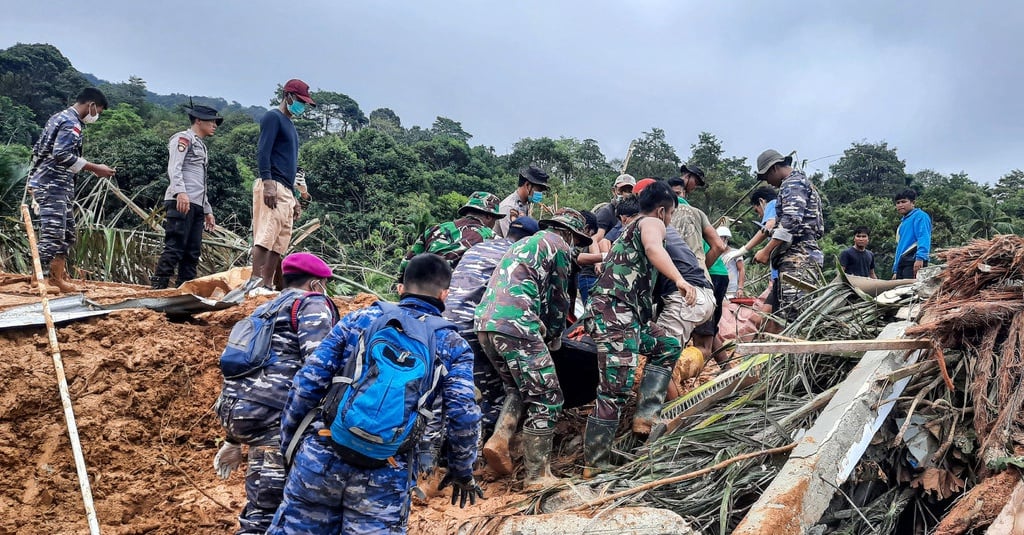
x: 142, y: 389
x: 980, y: 506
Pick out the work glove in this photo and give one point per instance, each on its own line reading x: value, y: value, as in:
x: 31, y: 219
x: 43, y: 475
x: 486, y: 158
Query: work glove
x: 462, y: 488
x: 732, y: 255
x: 227, y: 459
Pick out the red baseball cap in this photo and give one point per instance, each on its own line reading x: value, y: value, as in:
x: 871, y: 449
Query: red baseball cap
x: 641, y: 184
x: 300, y: 89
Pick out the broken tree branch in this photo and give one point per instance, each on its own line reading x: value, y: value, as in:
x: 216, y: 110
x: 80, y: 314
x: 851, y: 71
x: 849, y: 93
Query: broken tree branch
x: 684, y: 477
x: 832, y: 346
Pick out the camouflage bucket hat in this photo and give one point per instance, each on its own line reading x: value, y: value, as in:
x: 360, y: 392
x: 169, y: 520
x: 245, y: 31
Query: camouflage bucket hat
x: 483, y: 202
x: 570, y: 220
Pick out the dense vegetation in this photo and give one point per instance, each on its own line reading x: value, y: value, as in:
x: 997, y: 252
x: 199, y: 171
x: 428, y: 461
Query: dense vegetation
x: 377, y: 182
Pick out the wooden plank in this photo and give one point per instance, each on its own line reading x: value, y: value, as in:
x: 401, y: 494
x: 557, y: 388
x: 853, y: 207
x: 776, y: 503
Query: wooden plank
x: 832, y: 346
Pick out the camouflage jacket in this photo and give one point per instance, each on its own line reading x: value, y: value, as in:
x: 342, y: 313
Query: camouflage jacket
x: 270, y: 386
x: 462, y: 415
x: 528, y: 294
x: 57, y: 156
x: 800, y: 220
x: 628, y: 278
x: 448, y: 240
x: 470, y: 280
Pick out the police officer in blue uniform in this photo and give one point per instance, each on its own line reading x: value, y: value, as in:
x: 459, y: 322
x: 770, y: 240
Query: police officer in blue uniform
x: 56, y: 158
x: 188, y: 207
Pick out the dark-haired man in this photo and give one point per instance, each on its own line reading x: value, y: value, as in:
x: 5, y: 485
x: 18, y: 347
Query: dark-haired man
x: 533, y: 182
x: 56, y: 158
x: 188, y: 208
x: 249, y: 407
x: 274, y: 207
x: 619, y: 319
x: 519, y: 322
x: 858, y: 260
x: 451, y: 239
x: 793, y: 249
x: 327, y: 494
x: 913, y: 237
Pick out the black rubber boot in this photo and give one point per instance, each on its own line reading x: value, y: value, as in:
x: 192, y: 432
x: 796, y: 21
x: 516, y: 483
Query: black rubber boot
x: 496, y: 449
x: 653, y: 389
x: 159, y: 283
x: 537, y: 458
x: 597, y: 445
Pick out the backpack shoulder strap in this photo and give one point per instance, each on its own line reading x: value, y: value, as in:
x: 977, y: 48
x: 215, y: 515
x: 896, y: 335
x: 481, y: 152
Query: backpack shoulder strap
x: 297, y: 304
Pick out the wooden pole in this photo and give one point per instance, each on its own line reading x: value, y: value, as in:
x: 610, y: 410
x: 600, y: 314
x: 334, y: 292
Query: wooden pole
x: 832, y: 346
x: 680, y: 478
x: 62, y: 382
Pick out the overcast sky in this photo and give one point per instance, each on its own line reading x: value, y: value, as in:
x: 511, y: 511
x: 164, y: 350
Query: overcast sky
x: 939, y: 80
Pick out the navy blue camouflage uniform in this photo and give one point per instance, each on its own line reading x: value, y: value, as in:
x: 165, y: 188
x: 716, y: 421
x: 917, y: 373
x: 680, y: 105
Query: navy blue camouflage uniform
x: 324, y: 494
x: 250, y: 407
x: 57, y: 156
x: 469, y: 281
x: 801, y: 224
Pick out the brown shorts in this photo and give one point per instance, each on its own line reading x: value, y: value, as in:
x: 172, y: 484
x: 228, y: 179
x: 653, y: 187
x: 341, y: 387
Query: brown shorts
x: 272, y: 229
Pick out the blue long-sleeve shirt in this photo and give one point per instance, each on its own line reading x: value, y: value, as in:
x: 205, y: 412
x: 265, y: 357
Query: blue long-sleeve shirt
x: 461, y: 412
x: 915, y: 228
x: 277, y: 153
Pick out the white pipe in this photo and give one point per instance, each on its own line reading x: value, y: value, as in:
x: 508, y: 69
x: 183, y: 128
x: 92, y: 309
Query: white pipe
x: 62, y: 382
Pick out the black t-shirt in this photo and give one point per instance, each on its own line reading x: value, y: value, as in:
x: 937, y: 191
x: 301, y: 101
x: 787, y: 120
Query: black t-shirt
x: 606, y: 217
x: 685, y: 261
x: 856, y: 262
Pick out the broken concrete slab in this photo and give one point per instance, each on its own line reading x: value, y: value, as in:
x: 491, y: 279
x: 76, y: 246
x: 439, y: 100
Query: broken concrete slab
x: 829, y: 451
x: 620, y: 521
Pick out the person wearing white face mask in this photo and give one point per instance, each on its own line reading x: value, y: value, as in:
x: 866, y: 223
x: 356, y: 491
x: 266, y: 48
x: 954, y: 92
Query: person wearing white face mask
x: 274, y: 207
x: 56, y: 158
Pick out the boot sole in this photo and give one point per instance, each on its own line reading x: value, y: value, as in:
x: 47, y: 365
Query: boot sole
x: 498, y: 459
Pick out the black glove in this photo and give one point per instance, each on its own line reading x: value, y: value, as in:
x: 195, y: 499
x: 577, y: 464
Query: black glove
x: 462, y: 488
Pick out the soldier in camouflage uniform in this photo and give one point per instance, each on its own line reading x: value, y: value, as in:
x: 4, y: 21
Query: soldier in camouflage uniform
x: 250, y: 407
x: 619, y: 319
x: 519, y: 322
x: 469, y: 281
x: 56, y: 158
x: 450, y: 240
x: 325, y: 494
x: 793, y: 249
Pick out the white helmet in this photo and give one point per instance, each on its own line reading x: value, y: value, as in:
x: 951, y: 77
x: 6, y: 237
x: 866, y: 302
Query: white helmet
x: 724, y: 232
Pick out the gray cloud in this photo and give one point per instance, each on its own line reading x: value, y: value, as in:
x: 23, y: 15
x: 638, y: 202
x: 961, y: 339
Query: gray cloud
x: 938, y: 80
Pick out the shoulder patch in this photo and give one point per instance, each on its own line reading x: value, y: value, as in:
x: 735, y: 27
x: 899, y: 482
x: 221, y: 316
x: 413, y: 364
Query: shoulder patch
x: 513, y: 214
x: 183, y: 143
x: 77, y: 130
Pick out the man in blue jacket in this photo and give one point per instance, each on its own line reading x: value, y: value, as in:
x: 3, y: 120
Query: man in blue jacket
x: 913, y: 237
x: 326, y: 494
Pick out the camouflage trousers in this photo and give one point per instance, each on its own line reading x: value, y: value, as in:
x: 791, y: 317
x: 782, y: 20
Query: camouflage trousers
x: 326, y: 495
x: 488, y: 381
x: 802, y: 264
x: 259, y: 427
x: 525, y: 364
x: 56, y: 222
x: 621, y: 339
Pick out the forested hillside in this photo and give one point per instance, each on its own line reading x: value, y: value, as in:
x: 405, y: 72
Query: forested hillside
x: 376, y: 182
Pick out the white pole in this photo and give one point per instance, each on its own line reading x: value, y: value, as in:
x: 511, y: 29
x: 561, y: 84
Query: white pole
x: 62, y: 382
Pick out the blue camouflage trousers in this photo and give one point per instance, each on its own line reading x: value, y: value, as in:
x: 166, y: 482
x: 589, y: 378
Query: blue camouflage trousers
x: 800, y: 263
x: 259, y: 427
x: 325, y: 495
x: 56, y: 221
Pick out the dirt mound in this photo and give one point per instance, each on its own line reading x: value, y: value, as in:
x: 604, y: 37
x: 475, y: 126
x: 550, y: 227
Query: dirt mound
x: 142, y: 390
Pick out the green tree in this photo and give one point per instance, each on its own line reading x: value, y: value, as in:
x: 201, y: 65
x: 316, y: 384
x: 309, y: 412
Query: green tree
x: 335, y: 113
x: 386, y: 120
x: 17, y: 123
x: 653, y: 156
x: 981, y: 218
x: 446, y: 127
x: 1009, y: 194
x: 866, y: 169
x: 40, y: 77
x: 117, y: 123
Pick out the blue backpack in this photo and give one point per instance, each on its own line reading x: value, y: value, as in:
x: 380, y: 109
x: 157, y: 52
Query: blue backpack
x: 372, y: 409
x: 248, y: 348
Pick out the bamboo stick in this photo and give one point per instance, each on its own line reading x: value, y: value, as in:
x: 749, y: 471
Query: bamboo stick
x: 832, y: 346
x: 62, y: 382
x: 680, y: 478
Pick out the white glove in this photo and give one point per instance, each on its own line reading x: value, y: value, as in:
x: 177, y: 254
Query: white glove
x: 228, y: 458
x: 738, y: 253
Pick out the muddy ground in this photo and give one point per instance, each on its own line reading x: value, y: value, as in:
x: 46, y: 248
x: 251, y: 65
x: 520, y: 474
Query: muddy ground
x: 142, y: 390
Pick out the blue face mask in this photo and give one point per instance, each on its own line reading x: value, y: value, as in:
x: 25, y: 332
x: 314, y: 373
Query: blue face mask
x: 537, y: 197
x: 296, y: 108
